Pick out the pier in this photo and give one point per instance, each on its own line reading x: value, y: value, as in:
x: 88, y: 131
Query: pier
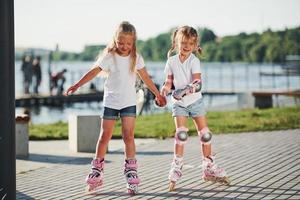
x: 97, y: 96
x: 262, y: 98
x: 57, y: 100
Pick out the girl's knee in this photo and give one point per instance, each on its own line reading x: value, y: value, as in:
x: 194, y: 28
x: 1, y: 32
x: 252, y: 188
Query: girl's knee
x: 128, y: 137
x: 105, y: 137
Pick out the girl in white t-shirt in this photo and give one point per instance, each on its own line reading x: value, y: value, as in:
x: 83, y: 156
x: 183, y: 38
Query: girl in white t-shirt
x: 121, y: 62
x: 184, y: 74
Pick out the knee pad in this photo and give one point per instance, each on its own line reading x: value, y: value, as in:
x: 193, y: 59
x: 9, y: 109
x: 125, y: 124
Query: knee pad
x: 181, y: 135
x: 205, y: 136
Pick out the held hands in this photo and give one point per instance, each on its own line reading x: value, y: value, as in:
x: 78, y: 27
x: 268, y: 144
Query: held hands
x: 160, y: 100
x: 72, y: 89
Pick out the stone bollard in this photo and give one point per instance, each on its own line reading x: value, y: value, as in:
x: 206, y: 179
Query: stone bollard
x: 22, y: 135
x: 84, y: 132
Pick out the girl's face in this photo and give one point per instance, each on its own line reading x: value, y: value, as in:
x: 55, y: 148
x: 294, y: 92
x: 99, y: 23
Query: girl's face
x: 124, y: 44
x: 186, y: 46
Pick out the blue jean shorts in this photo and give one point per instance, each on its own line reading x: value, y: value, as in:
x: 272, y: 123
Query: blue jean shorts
x: 110, y: 113
x: 196, y: 109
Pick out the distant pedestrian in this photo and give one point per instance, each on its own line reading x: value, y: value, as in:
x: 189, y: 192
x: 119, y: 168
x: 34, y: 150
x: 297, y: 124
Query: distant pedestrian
x: 57, y: 82
x: 184, y: 73
x: 27, y: 73
x: 122, y: 63
x: 37, y: 74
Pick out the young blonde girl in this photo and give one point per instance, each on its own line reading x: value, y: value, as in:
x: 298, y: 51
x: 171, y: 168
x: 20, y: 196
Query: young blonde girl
x: 184, y: 73
x: 121, y: 61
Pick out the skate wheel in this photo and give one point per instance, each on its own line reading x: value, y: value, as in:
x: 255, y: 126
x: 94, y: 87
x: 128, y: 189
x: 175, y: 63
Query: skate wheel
x: 132, y: 189
x: 131, y: 192
x: 226, y: 181
x: 90, y: 190
x: 172, y: 186
x: 211, y: 179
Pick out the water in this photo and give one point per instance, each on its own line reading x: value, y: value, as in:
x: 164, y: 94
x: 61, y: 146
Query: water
x: 216, y: 76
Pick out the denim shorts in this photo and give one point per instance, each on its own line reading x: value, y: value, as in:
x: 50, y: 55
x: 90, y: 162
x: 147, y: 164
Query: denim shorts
x: 110, y: 113
x: 196, y: 109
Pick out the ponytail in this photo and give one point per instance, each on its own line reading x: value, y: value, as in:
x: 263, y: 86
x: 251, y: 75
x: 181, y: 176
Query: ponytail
x: 173, y: 40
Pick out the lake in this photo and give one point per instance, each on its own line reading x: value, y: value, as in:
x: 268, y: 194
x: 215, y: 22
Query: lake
x: 216, y: 76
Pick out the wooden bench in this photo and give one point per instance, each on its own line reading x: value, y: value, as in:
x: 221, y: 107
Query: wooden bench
x: 264, y: 99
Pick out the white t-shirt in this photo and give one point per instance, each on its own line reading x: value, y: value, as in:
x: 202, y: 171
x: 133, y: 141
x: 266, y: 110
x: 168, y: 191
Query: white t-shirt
x: 119, y: 86
x: 182, y: 73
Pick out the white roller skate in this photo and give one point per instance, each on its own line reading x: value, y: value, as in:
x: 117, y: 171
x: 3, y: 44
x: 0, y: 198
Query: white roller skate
x: 131, y: 176
x: 175, y: 172
x: 211, y: 172
x: 94, y: 179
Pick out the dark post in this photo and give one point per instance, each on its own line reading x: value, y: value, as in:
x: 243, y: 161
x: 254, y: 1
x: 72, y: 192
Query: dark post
x: 7, y: 102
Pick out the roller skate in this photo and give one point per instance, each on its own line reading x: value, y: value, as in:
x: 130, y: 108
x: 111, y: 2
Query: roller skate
x: 211, y: 172
x: 175, y: 172
x: 94, y: 179
x: 132, y: 179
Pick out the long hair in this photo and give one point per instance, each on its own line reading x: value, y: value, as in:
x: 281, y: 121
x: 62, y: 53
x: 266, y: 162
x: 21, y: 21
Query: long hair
x: 124, y: 28
x: 184, y: 32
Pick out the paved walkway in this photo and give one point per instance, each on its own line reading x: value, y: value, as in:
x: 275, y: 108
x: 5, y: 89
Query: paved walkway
x: 261, y: 165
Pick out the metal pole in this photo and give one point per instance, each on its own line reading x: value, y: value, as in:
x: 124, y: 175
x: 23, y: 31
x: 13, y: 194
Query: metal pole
x: 247, y: 77
x: 232, y: 77
x: 260, y: 84
x: 273, y: 76
x: 7, y: 102
x: 49, y: 69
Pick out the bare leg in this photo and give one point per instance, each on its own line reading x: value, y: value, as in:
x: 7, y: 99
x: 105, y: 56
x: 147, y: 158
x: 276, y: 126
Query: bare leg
x: 200, y: 123
x: 128, y: 124
x: 130, y: 163
x: 106, y: 132
x: 176, y: 167
x: 179, y: 122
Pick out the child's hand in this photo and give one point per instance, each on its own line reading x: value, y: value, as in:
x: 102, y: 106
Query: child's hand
x: 161, y: 101
x: 71, y: 89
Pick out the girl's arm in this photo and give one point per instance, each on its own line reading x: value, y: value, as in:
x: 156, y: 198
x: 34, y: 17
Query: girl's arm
x: 86, y: 78
x: 196, y: 76
x: 166, y: 89
x: 147, y: 80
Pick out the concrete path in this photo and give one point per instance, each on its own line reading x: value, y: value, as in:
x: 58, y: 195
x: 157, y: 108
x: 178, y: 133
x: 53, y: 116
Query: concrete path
x: 261, y: 165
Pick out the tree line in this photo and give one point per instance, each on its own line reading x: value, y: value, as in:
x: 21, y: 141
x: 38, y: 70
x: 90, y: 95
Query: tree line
x: 269, y: 46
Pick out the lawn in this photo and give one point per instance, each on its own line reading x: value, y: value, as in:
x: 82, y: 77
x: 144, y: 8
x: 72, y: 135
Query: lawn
x: 162, y: 125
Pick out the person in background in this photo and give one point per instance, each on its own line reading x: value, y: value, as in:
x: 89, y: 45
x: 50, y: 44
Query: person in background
x: 37, y: 74
x: 57, y: 82
x: 27, y: 73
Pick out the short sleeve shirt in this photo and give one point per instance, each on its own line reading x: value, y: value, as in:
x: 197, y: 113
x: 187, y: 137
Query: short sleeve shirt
x: 182, y: 73
x: 119, y: 86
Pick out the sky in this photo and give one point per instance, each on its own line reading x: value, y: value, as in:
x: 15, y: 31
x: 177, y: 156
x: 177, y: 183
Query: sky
x: 72, y: 24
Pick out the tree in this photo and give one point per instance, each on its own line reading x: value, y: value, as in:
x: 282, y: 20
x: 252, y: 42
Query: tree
x: 206, y: 35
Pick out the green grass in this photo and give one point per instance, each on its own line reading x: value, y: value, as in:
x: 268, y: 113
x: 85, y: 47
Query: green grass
x: 162, y: 125
x: 54, y: 131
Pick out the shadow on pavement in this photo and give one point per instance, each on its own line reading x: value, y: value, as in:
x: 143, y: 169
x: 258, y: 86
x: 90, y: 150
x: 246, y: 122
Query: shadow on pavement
x: 20, y: 195
x: 158, y: 194
x: 145, y: 153
x: 59, y: 159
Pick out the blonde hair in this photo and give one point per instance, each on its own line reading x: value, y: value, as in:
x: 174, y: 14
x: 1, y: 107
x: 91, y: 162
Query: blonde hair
x: 184, y: 32
x: 124, y: 28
